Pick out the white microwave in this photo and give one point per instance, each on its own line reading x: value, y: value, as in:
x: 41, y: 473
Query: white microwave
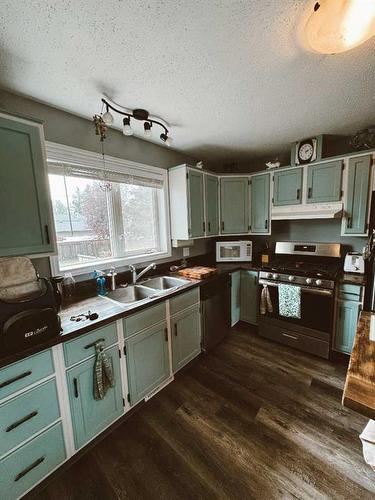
x: 234, y: 251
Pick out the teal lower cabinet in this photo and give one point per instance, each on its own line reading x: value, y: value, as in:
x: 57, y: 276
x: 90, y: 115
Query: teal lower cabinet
x: 29, y: 464
x: 89, y: 416
x: 186, y: 337
x: 346, y: 324
x: 147, y: 361
x: 249, y: 297
x: 235, y: 297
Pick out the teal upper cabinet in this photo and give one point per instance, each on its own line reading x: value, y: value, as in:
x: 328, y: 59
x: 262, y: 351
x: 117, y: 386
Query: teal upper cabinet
x: 235, y: 297
x: 346, y: 324
x: 147, y: 361
x: 234, y: 205
x: 357, y: 192
x: 324, y: 182
x: 91, y: 416
x: 212, y: 205
x: 195, y: 204
x: 260, y: 204
x: 249, y: 296
x: 287, y: 189
x: 186, y: 197
x: 186, y: 338
x: 25, y: 223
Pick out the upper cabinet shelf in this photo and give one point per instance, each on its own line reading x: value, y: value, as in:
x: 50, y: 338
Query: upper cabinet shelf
x: 26, y: 226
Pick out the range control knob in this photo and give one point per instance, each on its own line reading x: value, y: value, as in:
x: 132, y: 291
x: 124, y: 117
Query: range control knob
x: 275, y: 276
x: 318, y: 282
x: 269, y: 275
x: 291, y: 278
x: 308, y: 281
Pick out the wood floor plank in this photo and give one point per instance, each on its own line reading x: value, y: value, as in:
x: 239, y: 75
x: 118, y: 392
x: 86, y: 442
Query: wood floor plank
x: 252, y: 419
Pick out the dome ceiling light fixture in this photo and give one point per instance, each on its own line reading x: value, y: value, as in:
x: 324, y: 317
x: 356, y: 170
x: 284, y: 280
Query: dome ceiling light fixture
x: 136, y: 114
x: 339, y: 25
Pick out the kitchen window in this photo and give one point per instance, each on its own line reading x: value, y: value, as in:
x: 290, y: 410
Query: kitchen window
x: 98, y: 228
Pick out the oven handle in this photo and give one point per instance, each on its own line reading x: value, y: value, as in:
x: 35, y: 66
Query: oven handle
x: 316, y: 291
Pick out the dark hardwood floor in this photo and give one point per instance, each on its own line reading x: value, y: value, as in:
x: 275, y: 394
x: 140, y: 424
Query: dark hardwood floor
x: 253, y: 419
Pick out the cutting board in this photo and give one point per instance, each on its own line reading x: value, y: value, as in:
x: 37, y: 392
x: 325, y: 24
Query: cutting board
x: 198, y: 272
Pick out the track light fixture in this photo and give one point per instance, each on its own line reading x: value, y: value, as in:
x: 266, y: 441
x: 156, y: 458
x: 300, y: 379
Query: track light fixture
x: 127, y: 130
x: 137, y: 114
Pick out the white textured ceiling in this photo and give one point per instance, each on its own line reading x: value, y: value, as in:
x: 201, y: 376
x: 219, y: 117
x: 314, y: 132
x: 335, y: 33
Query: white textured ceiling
x: 231, y: 76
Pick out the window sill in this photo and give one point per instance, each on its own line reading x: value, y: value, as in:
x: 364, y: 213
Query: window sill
x: 84, y: 272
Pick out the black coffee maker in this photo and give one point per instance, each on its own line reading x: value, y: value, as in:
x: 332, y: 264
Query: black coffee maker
x: 28, y: 306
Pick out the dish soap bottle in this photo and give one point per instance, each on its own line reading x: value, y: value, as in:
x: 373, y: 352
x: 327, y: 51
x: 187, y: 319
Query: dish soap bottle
x: 100, y: 281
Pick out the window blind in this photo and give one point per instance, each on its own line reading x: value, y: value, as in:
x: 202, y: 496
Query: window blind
x: 73, y: 162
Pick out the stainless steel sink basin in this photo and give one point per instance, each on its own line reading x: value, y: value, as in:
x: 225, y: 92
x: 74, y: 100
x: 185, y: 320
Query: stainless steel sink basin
x: 164, y: 282
x: 131, y: 294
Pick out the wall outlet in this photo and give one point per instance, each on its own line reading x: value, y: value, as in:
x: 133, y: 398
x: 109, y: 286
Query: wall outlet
x: 186, y: 252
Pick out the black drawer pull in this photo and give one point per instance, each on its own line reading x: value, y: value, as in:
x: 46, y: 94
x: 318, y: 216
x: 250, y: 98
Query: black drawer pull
x: 46, y: 229
x: 209, y: 226
x: 29, y: 468
x: 175, y: 330
x: 204, y: 227
x: 222, y: 226
x: 166, y: 334
x: 266, y: 224
x: 15, y: 379
x: 93, y: 344
x: 75, y: 387
x: 21, y: 421
x: 349, y: 223
x: 298, y: 193
x: 309, y: 192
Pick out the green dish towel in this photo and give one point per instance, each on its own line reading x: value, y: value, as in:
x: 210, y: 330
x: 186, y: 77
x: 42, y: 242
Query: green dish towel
x: 103, y: 373
x: 290, y: 301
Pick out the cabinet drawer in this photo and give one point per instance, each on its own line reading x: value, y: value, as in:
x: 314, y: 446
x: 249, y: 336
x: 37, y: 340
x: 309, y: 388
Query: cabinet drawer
x: 22, y: 469
x: 352, y: 289
x: 144, y: 319
x: 295, y: 339
x: 25, y: 372
x: 27, y: 414
x: 184, y: 300
x: 83, y: 347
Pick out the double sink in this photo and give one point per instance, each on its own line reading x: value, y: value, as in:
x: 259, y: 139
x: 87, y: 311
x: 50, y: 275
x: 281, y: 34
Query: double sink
x: 146, y: 290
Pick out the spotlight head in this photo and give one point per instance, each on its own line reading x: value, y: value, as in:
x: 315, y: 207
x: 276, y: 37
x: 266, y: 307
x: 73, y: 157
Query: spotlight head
x: 147, y: 129
x: 127, y: 130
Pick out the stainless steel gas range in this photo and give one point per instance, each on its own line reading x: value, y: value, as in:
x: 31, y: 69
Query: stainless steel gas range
x: 313, y: 268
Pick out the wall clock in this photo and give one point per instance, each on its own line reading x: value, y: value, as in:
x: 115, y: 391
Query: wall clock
x: 306, y: 151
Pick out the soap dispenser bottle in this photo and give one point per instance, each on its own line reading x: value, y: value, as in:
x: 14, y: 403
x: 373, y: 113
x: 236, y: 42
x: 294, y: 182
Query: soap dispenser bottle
x: 100, y: 281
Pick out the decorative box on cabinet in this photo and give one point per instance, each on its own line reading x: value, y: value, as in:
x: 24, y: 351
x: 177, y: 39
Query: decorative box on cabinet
x: 26, y: 216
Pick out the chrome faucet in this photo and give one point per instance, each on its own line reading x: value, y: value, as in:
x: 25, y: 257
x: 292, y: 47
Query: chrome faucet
x: 135, y: 276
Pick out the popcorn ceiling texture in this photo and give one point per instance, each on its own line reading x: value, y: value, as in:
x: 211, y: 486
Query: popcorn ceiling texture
x: 231, y: 77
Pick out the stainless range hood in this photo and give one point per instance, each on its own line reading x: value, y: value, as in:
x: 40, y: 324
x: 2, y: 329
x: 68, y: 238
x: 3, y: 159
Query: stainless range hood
x: 308, y: 211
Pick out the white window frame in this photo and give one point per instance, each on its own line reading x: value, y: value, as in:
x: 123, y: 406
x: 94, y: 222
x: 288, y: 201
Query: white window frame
x: 59, y: 153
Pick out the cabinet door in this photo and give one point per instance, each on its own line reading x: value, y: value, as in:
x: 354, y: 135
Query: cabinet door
x: 346, y: 324
x: 186, y: 337
x: 287, y: 187
x: 249, y: 297
x: 235, y: 297
x: 24, y: 201
x: 234, y: 205
x: 195, y: 202
x: 357, y: 195
x: 90, y: 416
x: 147, y: 361
x: 324, y: 182
x: 260, y: 203
x: 212, y: 205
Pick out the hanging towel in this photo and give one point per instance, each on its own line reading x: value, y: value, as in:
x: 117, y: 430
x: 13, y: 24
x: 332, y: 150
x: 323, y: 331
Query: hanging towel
x: 368, y: 443
x: 103, y: 373
x: 265, y: 301
x: 290, y: 301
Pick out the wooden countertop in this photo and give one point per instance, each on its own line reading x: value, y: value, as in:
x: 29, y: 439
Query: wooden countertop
x: 359, y: 390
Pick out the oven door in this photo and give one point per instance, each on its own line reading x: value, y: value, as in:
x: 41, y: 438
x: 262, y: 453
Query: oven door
x: 316, y: 307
